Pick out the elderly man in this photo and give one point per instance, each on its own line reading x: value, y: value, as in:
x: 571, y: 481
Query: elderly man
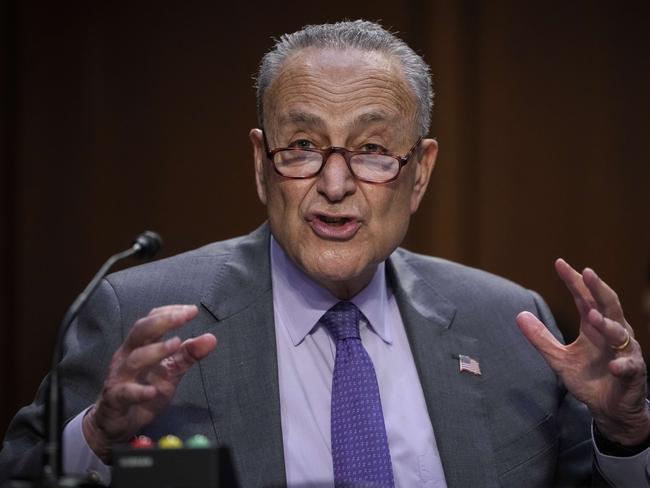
x: 343, y: 359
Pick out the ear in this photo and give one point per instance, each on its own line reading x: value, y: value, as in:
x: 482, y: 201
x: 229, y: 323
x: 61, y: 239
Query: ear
x: 426, y: 160
x: 259, y: 155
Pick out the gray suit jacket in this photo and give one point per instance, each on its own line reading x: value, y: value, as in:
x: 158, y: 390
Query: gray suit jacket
x: 512, y: 426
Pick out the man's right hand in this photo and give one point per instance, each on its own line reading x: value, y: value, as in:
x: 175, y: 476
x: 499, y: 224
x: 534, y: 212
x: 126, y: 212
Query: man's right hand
x: 142, y: 377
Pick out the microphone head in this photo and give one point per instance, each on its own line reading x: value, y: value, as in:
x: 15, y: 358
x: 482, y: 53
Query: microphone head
x: 147, y: 244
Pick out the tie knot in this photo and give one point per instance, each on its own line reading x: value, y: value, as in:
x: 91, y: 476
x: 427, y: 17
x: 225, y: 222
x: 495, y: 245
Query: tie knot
x: 342, y: 320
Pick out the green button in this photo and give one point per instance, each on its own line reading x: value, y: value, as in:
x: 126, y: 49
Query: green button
x: 197, y: 441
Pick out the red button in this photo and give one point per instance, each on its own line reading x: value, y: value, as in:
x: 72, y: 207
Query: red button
x: 142, y: 442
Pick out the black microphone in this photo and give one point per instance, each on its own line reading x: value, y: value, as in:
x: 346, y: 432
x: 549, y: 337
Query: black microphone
x: 145, y: 246
x: 148, y: 244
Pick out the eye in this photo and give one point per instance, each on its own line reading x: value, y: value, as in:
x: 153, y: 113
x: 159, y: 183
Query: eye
x: 372, y: 147
x: 302, y: 144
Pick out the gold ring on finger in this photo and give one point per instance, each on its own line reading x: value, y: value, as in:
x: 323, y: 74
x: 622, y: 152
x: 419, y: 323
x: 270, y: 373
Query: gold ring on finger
x: 625, y: 343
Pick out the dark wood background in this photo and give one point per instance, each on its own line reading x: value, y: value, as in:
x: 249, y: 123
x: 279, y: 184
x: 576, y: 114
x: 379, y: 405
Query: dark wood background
x: 123, y: 116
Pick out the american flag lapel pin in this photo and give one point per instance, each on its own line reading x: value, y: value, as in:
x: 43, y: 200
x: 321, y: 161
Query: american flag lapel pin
x: 469, y: 365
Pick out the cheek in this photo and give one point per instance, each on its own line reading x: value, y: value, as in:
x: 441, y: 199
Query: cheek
x: 406, y: 200
x: 284, y: 201
x: 276, y: 206
x: 390, y: 217
x: 396, y: 201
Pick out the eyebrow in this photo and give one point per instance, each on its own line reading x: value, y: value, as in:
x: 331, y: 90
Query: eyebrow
x: 371, y: 117
x: 300, y: 117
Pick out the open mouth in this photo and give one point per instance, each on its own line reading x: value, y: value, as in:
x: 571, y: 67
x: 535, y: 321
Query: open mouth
x: 334, y: 227
x: 336, y: 221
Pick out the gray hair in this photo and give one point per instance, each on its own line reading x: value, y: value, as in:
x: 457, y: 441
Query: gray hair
x: 360, y: 34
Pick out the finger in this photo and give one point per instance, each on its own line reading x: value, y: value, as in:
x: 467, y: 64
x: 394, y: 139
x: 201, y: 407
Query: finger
x: 166, y: 309
x: 151, y: 328
x: 149, y: 355
x: 191, y: 351
x: 606, y: 297
x: 575, y: 283
x: 593, y: 335
x: 200, y: 347
x: 613, y: 333
x: 628, y: 367
x: 123, y: 395
x: 540, y: 337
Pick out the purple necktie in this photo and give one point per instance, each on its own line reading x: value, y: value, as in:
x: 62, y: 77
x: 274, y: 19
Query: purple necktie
x: 359, y: 444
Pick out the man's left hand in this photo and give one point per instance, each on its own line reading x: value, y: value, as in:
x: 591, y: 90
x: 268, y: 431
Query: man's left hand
x: 604, y: 366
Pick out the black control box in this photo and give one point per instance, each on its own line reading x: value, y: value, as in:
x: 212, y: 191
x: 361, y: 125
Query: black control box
x: 209, y: 467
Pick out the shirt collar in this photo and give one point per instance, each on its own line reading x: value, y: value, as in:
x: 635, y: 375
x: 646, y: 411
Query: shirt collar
x: 300, y: 302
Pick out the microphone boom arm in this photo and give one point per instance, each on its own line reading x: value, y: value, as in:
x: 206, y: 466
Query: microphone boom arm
x: 145, y: 245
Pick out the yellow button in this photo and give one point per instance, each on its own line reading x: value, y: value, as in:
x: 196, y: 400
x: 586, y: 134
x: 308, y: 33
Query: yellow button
x: 170, y: 442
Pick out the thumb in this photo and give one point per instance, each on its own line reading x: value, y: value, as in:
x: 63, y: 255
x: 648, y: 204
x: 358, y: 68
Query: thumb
x: 190, y: 351
x: 542, y: 339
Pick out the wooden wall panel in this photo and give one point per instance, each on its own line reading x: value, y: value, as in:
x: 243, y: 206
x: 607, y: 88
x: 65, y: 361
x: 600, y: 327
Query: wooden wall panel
x: 561, y: 160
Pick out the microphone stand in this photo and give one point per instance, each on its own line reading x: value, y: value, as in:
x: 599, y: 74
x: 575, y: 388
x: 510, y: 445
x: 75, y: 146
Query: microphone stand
x: 144, y: 246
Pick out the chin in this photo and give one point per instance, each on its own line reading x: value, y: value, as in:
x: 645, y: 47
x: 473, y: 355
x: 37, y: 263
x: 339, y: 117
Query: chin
x: 333, y: 268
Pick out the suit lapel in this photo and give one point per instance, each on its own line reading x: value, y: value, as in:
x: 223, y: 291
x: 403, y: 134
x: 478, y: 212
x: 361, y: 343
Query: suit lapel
x: 241, y: 377
x: 454, y: 399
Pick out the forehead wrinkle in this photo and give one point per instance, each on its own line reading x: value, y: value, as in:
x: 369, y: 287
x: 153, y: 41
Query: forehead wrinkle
x: 341, y: 92
x: 299, y: 81
x: 375, y: 105
x: 301, y: 84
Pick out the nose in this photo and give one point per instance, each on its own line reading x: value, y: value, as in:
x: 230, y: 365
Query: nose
x: 335, y: 180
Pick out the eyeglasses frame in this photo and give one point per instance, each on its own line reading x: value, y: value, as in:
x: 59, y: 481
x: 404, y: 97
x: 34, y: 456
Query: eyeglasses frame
x: 326, y: 152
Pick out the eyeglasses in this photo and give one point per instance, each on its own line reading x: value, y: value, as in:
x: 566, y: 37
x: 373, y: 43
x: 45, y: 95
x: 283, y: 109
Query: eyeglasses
x: 369, y: 166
